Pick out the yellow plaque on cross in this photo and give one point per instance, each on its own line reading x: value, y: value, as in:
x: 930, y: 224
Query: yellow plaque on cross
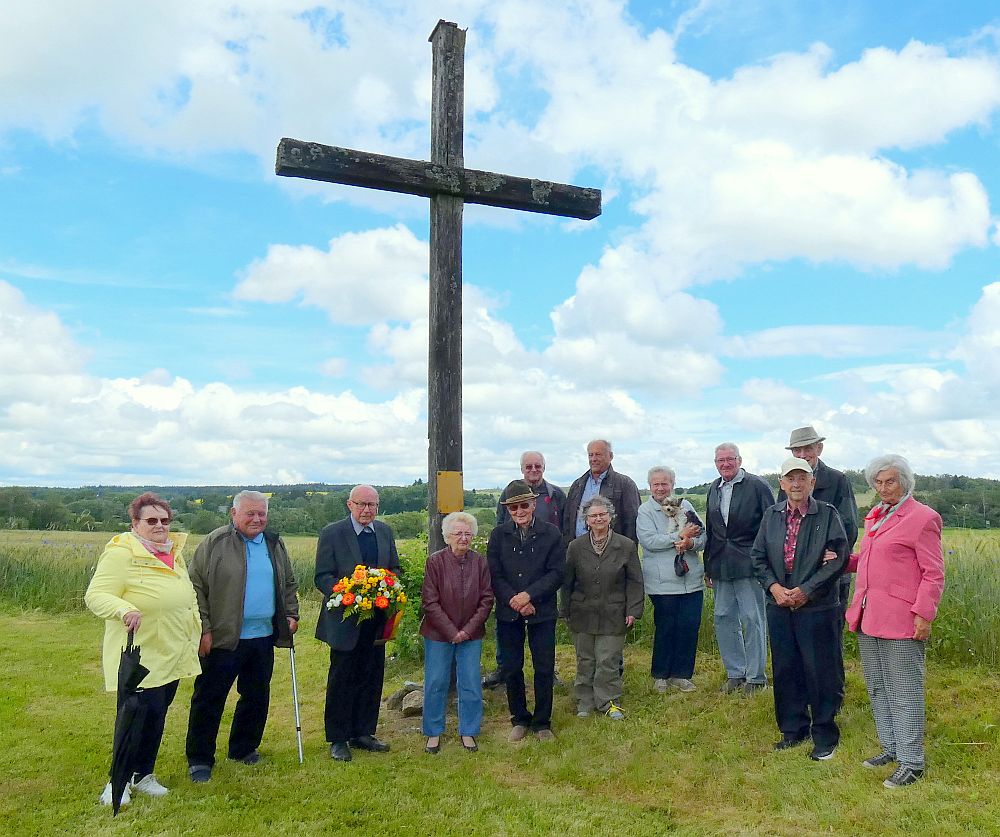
x: 450, y: 496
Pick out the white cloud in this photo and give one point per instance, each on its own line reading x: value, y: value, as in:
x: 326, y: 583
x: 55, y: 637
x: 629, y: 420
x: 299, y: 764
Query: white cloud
x: 829, y: 341
x: 979, y: 349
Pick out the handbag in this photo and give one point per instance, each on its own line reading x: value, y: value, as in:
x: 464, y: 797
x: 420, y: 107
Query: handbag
x: 680, y: 564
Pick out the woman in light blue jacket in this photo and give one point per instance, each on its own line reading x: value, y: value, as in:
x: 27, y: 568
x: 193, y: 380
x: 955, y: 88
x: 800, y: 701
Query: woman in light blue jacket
x: 671, y: 535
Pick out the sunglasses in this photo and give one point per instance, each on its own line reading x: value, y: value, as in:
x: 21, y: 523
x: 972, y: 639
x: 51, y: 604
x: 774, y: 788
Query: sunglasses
x: 152, y: 521
x: 519, y: 506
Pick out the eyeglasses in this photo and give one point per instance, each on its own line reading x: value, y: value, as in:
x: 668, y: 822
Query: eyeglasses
x: 461, y: 534
x: 361, y: 505
x: 726, y: 460
x: 152, y: 521
x: 534, y: 467
x: 597, y: 515
x: 519, y: 506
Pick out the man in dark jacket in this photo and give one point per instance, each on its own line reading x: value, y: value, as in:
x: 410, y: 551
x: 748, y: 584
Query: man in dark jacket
x: 357, y: 664
x: 602, y: 479
x: 527, y: 561
x: 833, y: 487
x: 736, y: 505
x: 803, y: 610
x: 247, y: 596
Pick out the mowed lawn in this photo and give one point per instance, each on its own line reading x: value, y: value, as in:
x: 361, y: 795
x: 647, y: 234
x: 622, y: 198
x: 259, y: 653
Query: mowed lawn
x: 696, y: 763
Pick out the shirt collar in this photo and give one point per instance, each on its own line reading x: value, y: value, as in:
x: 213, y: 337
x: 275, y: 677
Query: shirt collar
x: 738, y: 478
x: 257, y: 540
x: 599, y: 478
x: 358, y: 528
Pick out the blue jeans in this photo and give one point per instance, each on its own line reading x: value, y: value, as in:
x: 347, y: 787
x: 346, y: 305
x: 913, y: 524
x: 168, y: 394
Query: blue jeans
x: 676, y: 623
x: 438, y: 660
x: 741, y: 628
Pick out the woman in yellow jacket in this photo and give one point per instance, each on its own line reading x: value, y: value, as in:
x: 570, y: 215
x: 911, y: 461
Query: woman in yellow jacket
x: 141, y: 584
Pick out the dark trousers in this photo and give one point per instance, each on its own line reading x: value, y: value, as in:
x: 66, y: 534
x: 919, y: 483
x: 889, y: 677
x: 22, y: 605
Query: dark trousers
x: 542, y: 644
x: 807, y: 666
x: 354, y: 687
x: 676, y: 623
x: 249, y: 664
x: 157, y: 701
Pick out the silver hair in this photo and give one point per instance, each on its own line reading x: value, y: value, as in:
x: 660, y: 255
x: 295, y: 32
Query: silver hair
x: 891, y: 460
x: 604, y: 442
x: 599, y: 500
x: 529, y: 453
x: 661, y: 469
x: 458, y: 517
x: 728, y: 446
x: 252, y: 496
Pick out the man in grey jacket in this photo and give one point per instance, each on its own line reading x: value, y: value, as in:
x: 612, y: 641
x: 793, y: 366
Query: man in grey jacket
x: 602, y: 479
x: 247, y: 595
x: 789, y: 559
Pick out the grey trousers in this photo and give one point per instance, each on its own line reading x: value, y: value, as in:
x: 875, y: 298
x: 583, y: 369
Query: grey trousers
x: 598, y: 670
x: 894, y: 674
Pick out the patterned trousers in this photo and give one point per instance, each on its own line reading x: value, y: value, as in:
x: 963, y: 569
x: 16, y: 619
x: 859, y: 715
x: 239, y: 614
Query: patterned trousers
x: 894, y: 674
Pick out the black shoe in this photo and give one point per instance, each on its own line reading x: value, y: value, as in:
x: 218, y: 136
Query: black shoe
x: 493, y: 680
x: 903, y: 776
x: 433, y: 750
x: 881, y: 760
x: 824, y: 753
x: 787, y: 742
x: 200, y: 773
x: 732, y: 684
x: 370, y: 743
x: 751, y: 688
x: 473, y: 747
x: 340, y: 751
x: 250, y: 758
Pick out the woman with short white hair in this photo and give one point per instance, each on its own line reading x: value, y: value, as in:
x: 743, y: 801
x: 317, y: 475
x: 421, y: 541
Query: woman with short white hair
x: 671, y: 535
x: 900, y: 578
x: 456, y: 599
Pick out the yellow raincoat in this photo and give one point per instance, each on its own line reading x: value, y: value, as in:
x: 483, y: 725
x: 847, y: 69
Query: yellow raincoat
x: 128, y: 577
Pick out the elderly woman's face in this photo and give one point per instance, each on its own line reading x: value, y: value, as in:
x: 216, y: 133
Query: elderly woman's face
x: 598, y: 519
x: 153, y: 524
x: 459, y: 537
x: 888, y: 486
x: 661, y: 487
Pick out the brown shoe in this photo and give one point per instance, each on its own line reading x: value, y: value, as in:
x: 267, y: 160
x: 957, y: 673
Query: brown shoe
x: 517, y: 733
x: 545, y: 735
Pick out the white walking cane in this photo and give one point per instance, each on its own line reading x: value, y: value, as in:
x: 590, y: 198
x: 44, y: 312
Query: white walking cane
x: 295, y: 699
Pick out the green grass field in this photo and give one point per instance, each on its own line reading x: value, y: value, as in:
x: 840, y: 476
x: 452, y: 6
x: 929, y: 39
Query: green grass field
x: 680, y: 764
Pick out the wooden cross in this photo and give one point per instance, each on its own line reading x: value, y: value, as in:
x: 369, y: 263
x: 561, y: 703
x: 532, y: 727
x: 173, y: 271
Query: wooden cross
x: 449, y: 185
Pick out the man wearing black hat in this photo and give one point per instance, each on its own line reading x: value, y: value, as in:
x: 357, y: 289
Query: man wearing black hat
x: 832, y: 487
x: 527, y: 559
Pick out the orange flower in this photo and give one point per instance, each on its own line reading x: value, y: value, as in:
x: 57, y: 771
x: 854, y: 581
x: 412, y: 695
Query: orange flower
x: 338, y: 587
x: 360, y: 574
x: 348, y: 599
x: 381, y: 602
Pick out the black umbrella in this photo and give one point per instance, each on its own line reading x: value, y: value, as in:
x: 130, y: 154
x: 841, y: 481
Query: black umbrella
x: 129, y: 720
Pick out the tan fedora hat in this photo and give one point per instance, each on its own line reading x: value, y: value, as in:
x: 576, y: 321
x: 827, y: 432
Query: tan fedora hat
x: 802, y: 436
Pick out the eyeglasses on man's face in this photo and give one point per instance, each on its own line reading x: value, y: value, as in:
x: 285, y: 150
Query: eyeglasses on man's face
x: 365, y: 505
x: 520, y: 506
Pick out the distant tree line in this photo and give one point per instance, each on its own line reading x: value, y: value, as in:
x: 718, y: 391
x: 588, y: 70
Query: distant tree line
x: 296, y: 509
x: 967, y: 502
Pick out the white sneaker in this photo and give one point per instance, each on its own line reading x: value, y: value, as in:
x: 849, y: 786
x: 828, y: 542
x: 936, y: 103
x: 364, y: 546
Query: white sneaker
x: 661, y: 685
x: 682, y: 683
x: 149, y: 786
x: 106, y: 795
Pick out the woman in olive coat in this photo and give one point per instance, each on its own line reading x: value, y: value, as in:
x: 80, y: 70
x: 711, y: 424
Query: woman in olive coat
x: 603, y: 598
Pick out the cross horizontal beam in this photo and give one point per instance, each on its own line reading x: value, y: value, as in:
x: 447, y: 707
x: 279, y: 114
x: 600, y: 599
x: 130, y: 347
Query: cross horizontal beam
x: 314, y: 161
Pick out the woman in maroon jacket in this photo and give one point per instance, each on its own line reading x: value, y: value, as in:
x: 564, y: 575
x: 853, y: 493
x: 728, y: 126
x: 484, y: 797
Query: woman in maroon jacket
x: 456, y: 599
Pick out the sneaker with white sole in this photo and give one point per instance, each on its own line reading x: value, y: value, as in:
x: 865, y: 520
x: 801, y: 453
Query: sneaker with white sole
x: 149, y: 785
x: 106, y: 795
x: 881, y: 760
x: 615, y: 712
x: 661, y: 685
x: 903, y: 776
x: 682, y: 683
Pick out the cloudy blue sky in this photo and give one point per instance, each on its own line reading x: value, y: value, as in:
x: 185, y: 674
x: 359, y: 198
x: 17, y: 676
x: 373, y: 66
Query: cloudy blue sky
x: 800, y: 226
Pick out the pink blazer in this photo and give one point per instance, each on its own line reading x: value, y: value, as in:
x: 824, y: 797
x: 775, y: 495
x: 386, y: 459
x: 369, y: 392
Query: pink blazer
x: 900, y: 573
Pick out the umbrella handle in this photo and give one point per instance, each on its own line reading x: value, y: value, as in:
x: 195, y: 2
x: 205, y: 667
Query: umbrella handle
x: 131, y: 636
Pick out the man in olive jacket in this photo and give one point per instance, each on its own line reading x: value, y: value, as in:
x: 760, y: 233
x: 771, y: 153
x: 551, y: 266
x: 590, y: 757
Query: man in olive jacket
x: 247, y: 595
x: 527, y: 560
x: 803, y: 610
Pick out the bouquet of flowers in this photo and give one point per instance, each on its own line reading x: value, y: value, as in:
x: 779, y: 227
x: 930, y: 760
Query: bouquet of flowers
x: 367, y: 591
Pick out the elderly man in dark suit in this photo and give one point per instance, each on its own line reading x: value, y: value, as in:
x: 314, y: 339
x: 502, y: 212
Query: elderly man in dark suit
x: 357, y: 664
x: 796, y: 537
x: 833, y: 487
x: 736, y: 505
